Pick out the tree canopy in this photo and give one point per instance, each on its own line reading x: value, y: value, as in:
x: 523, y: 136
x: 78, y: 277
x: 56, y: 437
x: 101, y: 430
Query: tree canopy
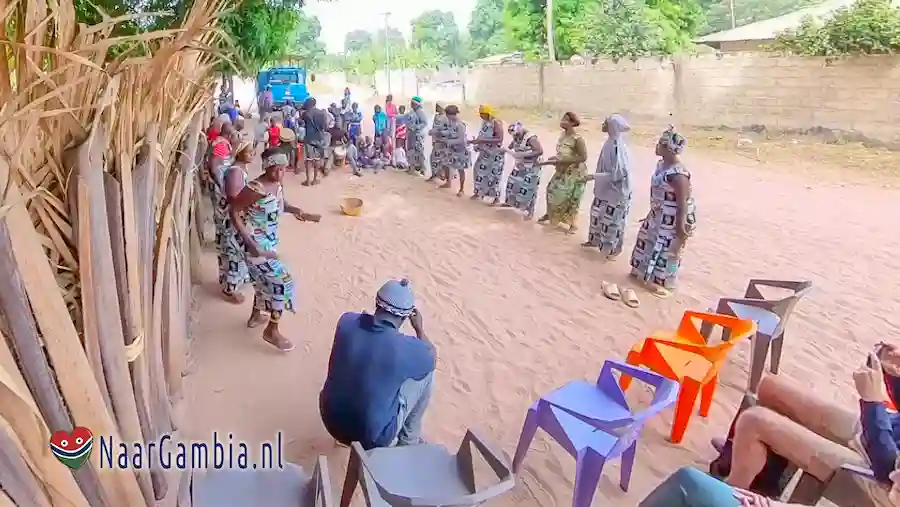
x: 869, y: 27
x: 436, y: 32
x: 487, y: 35
x: 603, y: 27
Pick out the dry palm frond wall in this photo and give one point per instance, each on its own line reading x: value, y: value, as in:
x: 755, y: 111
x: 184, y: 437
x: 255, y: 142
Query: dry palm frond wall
x: 98, y: 158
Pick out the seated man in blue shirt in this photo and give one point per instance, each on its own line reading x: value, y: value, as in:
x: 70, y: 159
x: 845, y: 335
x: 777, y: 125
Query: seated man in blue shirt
x: 379, y: 380
x: 790, y: 424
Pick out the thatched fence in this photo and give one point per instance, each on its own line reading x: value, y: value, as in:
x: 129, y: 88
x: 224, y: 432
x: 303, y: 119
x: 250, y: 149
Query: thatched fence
x: 98, y: 160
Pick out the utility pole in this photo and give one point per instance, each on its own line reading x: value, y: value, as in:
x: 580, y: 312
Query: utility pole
x: 550, y: 38
x: 731, y: 6
x: 387, y: 52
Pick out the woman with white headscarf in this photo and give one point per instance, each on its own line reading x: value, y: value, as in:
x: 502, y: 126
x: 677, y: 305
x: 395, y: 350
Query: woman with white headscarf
x: 612, y: 190
x: 256, y: 213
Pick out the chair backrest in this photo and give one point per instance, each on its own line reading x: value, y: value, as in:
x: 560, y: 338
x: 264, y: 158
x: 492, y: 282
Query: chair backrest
x: 378, y: 495
x: 690, y: 339
x: 288, y: 487
x: 665, y: 391
x: 783, y: 307
x: 736, y: 328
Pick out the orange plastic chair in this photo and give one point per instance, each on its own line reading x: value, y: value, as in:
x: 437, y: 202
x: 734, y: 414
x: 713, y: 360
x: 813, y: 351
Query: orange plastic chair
x: 684, y: 356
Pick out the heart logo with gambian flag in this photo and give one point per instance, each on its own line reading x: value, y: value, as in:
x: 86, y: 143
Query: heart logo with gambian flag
x: 72, y: 449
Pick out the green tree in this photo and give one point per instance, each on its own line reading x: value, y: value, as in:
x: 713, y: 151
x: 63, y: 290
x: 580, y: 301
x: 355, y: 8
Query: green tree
x: 261, y: 33
x: 307, y: 45
x: 597, y: 25
x: 436, y: 32
x: 487, y: 35
x: 869, y: 27
x: 621, y: 29
x: 357, y: 40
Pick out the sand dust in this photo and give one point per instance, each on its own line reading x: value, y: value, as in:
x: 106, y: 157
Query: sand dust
x: 515, y: 309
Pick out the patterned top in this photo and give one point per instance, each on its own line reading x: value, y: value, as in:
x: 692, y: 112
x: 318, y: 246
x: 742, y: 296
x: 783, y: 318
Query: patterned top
x: 487, y: 131
x: 418, y: 122
x: 451, y: 134
x: 567, y: 148
x: 523, y: 147
x: 438, y: 124
x: 663, y: 203
x: 262, y: 216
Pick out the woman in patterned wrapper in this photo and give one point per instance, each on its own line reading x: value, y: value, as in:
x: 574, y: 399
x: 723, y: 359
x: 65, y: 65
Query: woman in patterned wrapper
x: 525, y: 179
x: 488, y: 167
x: 256, y: 212
x: 657, y: 253
x: 226, y: 178
x: 612, y: 191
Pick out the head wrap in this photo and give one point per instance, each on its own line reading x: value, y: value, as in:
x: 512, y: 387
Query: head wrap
x: 246, y: 142
x: 673, y: 141
x: 395, y: 297
x: 516, y: 128
x: 438, y: 107
x: 615, y: 160
x: 417, y: 99
x: 286, y: 135
x: 488, y: 110
x: 275, y: 159
x: 616, y: 125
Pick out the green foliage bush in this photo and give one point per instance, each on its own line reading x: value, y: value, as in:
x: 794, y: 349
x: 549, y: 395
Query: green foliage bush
x: 869, y: 27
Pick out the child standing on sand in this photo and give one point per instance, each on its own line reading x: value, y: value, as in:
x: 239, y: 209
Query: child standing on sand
x: 380, y: 122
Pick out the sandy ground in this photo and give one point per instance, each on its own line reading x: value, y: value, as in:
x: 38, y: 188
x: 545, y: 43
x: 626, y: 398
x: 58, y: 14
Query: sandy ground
x: 515, y: 309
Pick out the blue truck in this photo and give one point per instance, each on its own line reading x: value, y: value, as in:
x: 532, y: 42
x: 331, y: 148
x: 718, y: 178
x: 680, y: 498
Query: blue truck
x: 286, y: 82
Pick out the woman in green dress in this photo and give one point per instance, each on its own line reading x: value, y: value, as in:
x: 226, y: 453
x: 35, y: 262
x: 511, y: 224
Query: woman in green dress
x: 567, y: 184
x: 256, y: 212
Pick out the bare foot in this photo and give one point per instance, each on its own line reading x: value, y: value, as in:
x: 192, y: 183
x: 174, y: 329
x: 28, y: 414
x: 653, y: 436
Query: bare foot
x: 460, y: 193
x: 505, y: 205
x: 306, y: 183
x: 445, y: 185
x: 257, y: 319
x: 277, y: 340
x: 571, y: 230
x: 496, y: 201
x: 544, y: 219
x: 528, y: 216
x: 587, y: 244
x: 429, y: 180
x: 475, y: 197
x: 234, y: 298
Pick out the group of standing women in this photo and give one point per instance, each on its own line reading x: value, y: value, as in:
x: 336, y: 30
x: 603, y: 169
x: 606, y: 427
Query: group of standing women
x: 246, y: 214
x: 656, y: 256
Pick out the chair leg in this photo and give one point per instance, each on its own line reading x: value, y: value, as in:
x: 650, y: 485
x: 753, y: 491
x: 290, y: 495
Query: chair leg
x: 588, y: 467
x: 684, y: 408
x: 634, y: 359
x: 525, y: 438
x: 706, y: 395
x: 351, y: 479
x: 627, y: 466
x: 777, y: 344
x: 758, y: 359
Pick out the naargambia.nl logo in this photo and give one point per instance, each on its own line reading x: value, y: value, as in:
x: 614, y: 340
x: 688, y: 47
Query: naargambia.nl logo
x: 72, y: 449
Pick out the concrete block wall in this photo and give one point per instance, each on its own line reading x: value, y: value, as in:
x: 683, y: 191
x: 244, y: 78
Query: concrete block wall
x: 739, y: 90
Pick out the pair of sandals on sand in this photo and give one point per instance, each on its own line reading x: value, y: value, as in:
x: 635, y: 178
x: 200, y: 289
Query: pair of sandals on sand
x: 627, y: 296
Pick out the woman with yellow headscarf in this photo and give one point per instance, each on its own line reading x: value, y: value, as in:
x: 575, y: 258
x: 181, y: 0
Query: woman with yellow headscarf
x: 488, y: 168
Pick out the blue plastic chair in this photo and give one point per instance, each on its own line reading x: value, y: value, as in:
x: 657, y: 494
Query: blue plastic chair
x: 595, y: 424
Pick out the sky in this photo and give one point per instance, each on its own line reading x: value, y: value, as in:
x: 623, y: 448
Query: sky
x: 341, y: 16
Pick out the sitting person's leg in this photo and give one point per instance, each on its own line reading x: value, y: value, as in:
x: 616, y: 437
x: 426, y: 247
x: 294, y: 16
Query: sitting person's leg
x: 690, y: 487
x: 760, y: 430
x: 832, y: 421
x: 414, y: 398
